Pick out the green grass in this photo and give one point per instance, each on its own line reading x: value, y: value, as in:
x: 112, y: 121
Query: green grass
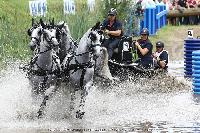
x: 174, y: 33
x: 15, y: 20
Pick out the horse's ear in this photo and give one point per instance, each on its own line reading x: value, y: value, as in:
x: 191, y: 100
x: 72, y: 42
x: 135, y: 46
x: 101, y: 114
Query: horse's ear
x: 42, y: 23
x: 97, y: 26
x: 93, y: 37
x: 32, y: 22
x: 61, y: 25
x: 53, y: 21
x: 29, y: 32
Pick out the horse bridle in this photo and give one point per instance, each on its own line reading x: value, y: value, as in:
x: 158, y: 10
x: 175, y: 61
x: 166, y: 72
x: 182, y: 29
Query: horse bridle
x: 62, y: 32
x: 49, y: 40
x: 42, y: 72
x: 90, y: 47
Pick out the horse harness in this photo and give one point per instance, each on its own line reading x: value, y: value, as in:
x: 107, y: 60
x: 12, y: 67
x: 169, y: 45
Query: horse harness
x: 42, y: 72
x: 79, y: 66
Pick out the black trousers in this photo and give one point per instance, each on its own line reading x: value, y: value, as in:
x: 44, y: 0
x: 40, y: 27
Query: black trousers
x: 110, y: 44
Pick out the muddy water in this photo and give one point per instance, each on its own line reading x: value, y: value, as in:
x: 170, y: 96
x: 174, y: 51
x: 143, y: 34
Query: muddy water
x: 159, y: 104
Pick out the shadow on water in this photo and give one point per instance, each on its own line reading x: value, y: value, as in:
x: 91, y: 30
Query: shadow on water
x: 196, y: 98
x: 162, y: 103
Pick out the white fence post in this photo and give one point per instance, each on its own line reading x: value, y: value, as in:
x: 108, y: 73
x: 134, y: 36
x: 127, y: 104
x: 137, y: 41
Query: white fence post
x: 91, y: 4
x: 69, y: 6
x: 38, y: 8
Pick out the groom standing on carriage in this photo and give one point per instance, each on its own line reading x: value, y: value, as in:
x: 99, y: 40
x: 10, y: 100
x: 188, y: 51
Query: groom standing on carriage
x: 112, y: 27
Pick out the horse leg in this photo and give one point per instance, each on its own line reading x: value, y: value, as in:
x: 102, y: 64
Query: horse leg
x: 48, y: 94
x: 72, y: 92
x: 43, y: 85
x: 42, y: 106
x: 84, y: 93
x: 80, y: 112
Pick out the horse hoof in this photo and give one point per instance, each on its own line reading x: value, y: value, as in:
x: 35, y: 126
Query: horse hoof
x: 79, y: 114
x: 40, y: 114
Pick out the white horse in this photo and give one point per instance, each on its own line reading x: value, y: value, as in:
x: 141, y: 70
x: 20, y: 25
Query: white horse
x: 45, y: 65
x: 80, y: 67
x: 66, y: 43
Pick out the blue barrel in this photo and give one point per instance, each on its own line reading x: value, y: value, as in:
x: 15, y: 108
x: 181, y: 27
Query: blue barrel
x: 161, y: 21
x: 149, y: 21
x: 164, y: 17
x: 190, y: 46
x: 196, y: 71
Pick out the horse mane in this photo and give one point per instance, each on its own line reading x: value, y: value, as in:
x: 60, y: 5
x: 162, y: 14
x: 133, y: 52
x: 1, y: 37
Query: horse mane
x: 85, y: 36
x: 87, y: 33
x: 67, y: 28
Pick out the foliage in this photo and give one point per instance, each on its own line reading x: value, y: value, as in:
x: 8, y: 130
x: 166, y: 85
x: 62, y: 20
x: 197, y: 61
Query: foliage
x: 15, y: 20
x: 123, y: 7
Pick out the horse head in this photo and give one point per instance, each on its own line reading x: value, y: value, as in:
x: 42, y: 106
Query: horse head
x: 35, y: 34
x: 47, y: 32
x: 95, y: 37
x: 61, y: 31
x: 50, y: 36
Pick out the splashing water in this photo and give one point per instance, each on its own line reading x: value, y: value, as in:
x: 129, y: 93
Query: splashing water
x: 161, y: 103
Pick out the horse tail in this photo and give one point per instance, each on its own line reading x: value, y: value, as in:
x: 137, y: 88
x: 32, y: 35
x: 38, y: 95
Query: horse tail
x: 102, y: 63
x: 105, y: 55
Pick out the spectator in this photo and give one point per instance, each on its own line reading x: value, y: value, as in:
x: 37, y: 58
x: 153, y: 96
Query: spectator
x: 198, y: 6
x: 168, y: 5
x: 148, y: 3
x: 173, y: 20
x: 192, y: 4
x: 182, y: 5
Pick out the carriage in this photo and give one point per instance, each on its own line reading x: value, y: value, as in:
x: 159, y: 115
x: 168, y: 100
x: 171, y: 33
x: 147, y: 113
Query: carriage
x: 125, y: 59
x: 78, y: 65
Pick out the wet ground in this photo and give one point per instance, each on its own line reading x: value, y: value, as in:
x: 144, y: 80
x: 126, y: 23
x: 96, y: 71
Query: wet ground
x: 147, y: 105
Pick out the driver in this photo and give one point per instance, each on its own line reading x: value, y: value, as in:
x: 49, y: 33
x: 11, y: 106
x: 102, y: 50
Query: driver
x: 113, y: 28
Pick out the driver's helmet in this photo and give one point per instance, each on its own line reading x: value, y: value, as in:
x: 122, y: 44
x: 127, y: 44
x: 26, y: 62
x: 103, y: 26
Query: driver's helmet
x: 144, y: 31
x: 160, y: 44
x: 112, y: 12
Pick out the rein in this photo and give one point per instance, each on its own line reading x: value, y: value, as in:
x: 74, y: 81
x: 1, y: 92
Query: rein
x: 41, y: 71
x: 72, y: 42
x: 49, y: 47
x: 83, y: 66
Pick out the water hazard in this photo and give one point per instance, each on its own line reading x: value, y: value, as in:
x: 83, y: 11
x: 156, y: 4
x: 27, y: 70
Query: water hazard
x: 159, y: 104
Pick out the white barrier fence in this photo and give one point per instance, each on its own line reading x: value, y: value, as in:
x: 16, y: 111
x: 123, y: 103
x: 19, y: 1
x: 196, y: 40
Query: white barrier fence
x: 69, y: 6
x: 91, y: 4
x: 39, y: 7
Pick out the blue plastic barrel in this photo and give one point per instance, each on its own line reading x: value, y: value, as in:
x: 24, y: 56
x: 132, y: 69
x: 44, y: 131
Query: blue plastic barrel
x: 196, y: 71
x: 190, y: 46
x: 160, y: 16
x: 150, y: 20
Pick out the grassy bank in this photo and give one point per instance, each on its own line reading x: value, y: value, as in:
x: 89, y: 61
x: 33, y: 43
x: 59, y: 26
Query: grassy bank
x: 15, y: 21
x: 173, y: 37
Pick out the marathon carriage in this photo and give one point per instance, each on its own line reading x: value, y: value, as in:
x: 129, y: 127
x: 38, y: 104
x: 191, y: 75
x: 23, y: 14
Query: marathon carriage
x: 125, y: 59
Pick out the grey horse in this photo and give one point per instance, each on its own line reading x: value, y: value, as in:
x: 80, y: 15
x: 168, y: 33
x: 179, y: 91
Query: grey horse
x: 80, y: 67
x: 67, y: 45
x: 45, y: 64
